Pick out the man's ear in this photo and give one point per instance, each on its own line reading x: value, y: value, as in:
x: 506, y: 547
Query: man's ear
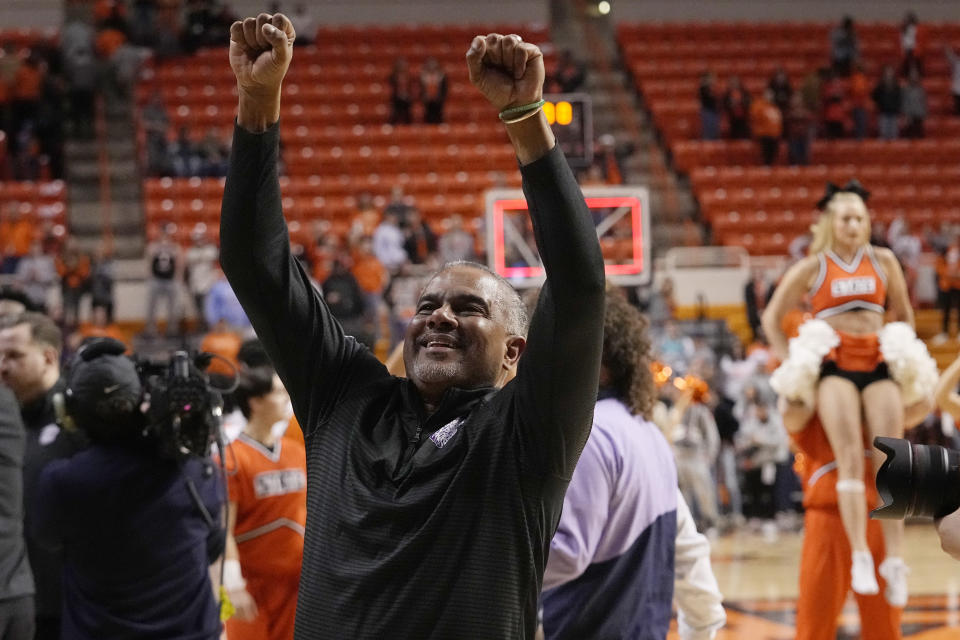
x: 516, y: 345
x: 51, y: 357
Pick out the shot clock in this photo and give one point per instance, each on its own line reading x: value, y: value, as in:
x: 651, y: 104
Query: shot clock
x: 571, y: 117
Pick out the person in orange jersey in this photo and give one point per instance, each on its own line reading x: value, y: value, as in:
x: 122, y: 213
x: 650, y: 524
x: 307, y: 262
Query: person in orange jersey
x: 766, y: 122
x: 826, y: 556
x: 838, y: 362
x: 267, y: 481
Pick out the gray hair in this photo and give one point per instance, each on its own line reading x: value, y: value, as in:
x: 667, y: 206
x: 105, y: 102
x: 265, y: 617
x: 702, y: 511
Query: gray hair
x: 512, y: 304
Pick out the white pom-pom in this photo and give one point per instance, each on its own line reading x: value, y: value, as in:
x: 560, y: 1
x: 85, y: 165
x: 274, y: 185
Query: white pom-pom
x: 908, y: 361
x: 796, y: 378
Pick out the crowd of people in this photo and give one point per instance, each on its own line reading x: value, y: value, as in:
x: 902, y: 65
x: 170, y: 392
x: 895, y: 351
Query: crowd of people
x: 831, y: 102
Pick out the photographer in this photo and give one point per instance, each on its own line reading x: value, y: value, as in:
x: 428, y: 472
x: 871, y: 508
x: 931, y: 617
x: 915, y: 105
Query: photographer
x: 948, y: 400
x: 138, y: 529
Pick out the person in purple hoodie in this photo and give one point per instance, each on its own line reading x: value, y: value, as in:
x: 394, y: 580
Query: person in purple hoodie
x: 610, y: 573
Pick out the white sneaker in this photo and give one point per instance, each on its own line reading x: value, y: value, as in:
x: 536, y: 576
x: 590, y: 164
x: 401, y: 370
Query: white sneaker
x: 895, y: 571
x: 940, y: 338
x: 864, y: 580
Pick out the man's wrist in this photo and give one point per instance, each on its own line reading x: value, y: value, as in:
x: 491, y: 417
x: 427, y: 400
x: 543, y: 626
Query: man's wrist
x: 532, y: 138
x: 258, y: 112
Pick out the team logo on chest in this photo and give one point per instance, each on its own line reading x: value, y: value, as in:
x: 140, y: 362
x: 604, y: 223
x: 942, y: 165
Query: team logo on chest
x: 444, y: 434
x: 846, y: 287
x: 278, y: 483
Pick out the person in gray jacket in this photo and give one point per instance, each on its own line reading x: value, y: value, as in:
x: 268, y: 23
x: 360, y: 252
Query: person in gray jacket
x: 16, y: 580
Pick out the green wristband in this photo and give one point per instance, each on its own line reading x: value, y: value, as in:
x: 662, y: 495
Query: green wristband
x: 521, y: 108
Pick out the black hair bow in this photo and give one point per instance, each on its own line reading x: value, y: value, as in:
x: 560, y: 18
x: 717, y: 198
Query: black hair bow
x: 831, y: 190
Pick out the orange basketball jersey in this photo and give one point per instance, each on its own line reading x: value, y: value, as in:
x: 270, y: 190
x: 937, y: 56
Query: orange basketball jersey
x: 270, y: 489
x: 817, y: 468
x: 842, y: 286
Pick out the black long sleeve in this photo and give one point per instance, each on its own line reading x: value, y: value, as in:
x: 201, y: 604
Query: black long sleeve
x: 559, y: 372
x: 313, y: 357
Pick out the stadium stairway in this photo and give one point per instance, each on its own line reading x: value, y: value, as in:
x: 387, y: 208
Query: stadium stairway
x: 104, y: 186
x: 619, y: 110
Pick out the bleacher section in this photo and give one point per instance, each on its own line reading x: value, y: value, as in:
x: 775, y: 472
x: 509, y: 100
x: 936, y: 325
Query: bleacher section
x: 37, y: 202
x: 762, y: 208
x: 335, y: 143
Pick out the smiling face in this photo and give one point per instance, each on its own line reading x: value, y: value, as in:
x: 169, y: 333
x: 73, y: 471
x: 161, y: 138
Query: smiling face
x: 459, y: 336
x: 851, y: 222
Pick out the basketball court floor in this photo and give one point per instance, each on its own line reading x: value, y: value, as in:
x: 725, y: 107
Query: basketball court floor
x: 758, y: 579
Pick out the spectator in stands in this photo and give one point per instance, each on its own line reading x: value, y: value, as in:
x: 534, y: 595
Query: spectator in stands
x: 834, y: 108
x: 36, y: 273
x: 420, y: 242
x: 954, y: 61
x: 184, y: 156
x: 888, y: 99
x: 609, y: 155
x: 766, y: 122
x: 756, y: 295
x: 859, y: 101
x: 709, y: 107
x: 123, y: 70
x: 201, y: 259
x: 948, y: 279
x: 736, y: 104
x: 50, y: 118
x: 16, y: 234
x: 433, y: 91
x: 101, y: 280
x: 907, y: 247
x: 810, y: 93
x: 844, y: 47
x: 29, y: 162
x: 345, y: 299
x: 213, y: 154
x: 398, y: 205
x: 388, y: 242
x: 372, y: 278
x: 911, y: 45
x: 221, y: 305
x: 401, y: 92
x: 155, y: 124
x: 568, y: 76
x: 455, y: 244
x: 74, y: 269
x: 27, y: 87
x: 365, y: 219
x: 782, y: 90
x: 799, y: 123
x: 914, y: 100
x: 81, y: 74
x: 165, y: 268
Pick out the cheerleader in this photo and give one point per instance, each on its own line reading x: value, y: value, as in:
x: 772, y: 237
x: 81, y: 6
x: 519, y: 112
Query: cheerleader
x: 851, y: 365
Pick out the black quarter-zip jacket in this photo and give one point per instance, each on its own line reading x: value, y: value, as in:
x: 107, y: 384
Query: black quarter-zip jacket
x: 423, y: 526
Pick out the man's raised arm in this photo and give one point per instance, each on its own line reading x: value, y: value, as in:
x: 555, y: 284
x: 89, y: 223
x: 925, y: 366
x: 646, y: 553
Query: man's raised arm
x: 290, y: 318
x: 559, y: 371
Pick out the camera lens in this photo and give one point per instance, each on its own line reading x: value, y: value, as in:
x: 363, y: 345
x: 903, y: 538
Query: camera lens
x: 917, y: 480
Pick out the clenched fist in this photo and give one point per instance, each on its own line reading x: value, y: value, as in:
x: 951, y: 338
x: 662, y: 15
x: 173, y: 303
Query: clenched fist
x: 507, y: 71
x: 260, y: 52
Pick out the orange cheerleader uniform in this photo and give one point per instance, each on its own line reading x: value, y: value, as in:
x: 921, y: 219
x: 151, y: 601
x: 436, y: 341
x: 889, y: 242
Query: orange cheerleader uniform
x: 826, y: 556
x: 269, y: 488
x: 858, y: 285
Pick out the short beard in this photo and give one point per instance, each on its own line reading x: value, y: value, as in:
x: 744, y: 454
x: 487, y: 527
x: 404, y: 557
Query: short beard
x: 433, y: 372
